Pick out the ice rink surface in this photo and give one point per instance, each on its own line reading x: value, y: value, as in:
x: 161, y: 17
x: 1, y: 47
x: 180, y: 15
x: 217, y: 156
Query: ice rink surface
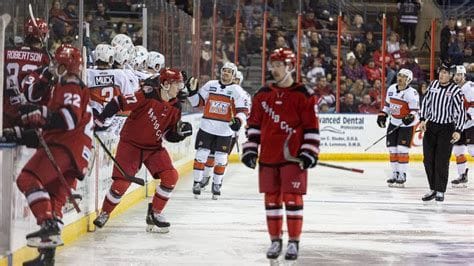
x: 349, y: 219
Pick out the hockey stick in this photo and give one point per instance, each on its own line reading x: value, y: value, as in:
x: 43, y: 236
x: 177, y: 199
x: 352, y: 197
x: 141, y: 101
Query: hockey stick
x: 62, y: 179
x: 291, y: 158
x: 236, y: 134
x: 43, y: 42
x: 4, y: 20
x: 381, y: 138
x: 132, y: 179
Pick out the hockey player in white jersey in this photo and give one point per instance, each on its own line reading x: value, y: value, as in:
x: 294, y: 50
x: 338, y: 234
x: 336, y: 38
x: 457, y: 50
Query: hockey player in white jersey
x: 209, y: 165
x: 225, y: 110
x: 138, y: 62
x: 104, y: 82
x: 154, y: 62
x: 402, y: 104
x: 466, y: 143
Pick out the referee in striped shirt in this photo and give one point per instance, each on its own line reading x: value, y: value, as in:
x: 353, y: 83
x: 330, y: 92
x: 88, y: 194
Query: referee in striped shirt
x: 442, y: 119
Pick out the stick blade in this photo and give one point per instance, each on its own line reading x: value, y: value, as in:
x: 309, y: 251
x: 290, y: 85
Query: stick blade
x: 6, y: 18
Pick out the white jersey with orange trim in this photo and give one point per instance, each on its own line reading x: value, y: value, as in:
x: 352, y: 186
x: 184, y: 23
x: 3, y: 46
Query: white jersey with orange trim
x: 468, y: 91
x: 221, y: 103
x: 400, y: 103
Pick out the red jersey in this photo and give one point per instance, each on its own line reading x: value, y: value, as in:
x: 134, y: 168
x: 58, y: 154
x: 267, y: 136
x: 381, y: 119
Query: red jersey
x: 71, y: 101
x: 275, y: 113
x: 18, y: 63
x: 148, y: 121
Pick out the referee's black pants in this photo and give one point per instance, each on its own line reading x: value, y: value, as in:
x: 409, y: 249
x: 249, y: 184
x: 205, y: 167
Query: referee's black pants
x: 436, y: 154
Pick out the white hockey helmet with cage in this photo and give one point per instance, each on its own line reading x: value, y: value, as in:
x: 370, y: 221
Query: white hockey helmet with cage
x: 139, y: 57
x: 155, y: 61
x: 460, y: 69
x: 239, y: 76
x: 122, y: 40
x: 121, y: 55
x: 104, y: 53
x: 407, y: 73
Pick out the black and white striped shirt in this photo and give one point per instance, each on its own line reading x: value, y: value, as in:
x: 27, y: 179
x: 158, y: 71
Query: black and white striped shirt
x: 443, y: 105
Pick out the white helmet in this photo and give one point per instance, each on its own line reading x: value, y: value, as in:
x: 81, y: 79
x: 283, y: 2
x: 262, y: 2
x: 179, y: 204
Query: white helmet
x: 121, y: 55
x: 139, y: 57
x: 231, y: 66
x: 104, y: 53
x: 407, y: 73
x: 239, y: 76
x: 122, y: 40
x: 460, y: 70
x: 154, y: 59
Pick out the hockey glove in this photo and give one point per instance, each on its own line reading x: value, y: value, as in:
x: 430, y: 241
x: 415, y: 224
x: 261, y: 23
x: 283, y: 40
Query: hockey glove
x: 468, y: 116
x: 235, y: 124
x: 307, y: 160
x: 185, y: 129
x: 20, y: 136
x: 182, y: 96
x: 191, y: 85
x: 34, y: 116
x: 408, y: 119
x: 249, y: 158
x: 382, y: 119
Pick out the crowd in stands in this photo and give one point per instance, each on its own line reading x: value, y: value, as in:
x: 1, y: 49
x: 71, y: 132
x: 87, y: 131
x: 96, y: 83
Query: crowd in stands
x: 361, y: 80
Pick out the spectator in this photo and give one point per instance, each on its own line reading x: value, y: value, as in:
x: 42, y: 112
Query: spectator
x: 348, y: 104
x: 408, y: 13
x: 99, y: 33
x: 468, y: 30
x: 357, y: 30
x: 401, y: 55
x: 372, y: 72
x: 316, y: 72
x: 446, y: 33
x: 70, y: 11
x: 358, y: 89
x: 309, y: 21
x: 254, y: 20
x: 304, y: 42
x: 314, y: 41
x: 101, y: 12
x: 456, y: 49
x: 393, y: 45
x: 313, y: 55
x: 254, y: 41
x: 367, y: 106
x: 206, y: 56
x: 353, y: 70
x: 371, y: 45
x: 325, y: 92
x: 121, y: 28
x: 468, y: 56
x: 389, y: 64
x: 422, y: 90
x: 361, y: 55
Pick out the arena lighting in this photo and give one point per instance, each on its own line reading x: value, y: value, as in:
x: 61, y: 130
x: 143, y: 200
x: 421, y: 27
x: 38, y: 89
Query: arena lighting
x: 331, y: 19
x: 459, y: 23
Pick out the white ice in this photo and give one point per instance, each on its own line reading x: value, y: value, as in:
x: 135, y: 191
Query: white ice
x: 349, y: 218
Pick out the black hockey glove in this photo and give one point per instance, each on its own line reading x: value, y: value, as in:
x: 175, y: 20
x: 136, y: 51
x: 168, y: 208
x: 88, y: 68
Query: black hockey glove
x: 382, y: 119
x: 182, y: 96
x: 185, y: 129
x: 235, y: 124
x: 33, y: 115
x: 249, y: 158
x: 408, y: 119
x: 468, y: 116
x: 20, y: 136
x: 307, y: 160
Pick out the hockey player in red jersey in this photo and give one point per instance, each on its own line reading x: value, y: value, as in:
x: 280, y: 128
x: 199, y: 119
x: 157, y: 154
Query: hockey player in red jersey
x: 155, y: 113
x: 67, y: 129
x: 19, y: 61
x: 279, y: 109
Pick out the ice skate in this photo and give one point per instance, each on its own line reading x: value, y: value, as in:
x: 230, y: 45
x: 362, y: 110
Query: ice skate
x: 45, y: 258
x: 274, y: 251
x: 292, y: 250
x: 101, y: 219
x: 196, y: 189
x: 205, y: 182
x: 49, y: 236
x: 156, y: 222
x: 461, y: 181
x: 439, y: 197
x: 216, y: 191
x: 401, y: 179
x: 391, y: 181
x: 429, y: 196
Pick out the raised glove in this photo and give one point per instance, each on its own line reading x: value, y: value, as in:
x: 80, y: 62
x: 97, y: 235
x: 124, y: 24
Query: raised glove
x: 185, y: 129
x: 192, y: 85
x: 34, y: 115
x: 249, y: 158
x: 307, y: 160
x: 382, y: 119
x: 408, y: 119
x: 235, y: 124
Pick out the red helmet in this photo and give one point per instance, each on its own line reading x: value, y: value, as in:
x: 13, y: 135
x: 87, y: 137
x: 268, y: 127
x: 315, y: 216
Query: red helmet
x: 70, y: 57
x: 40, y: 31
x: 283, y: 54
x: 170, y: 75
